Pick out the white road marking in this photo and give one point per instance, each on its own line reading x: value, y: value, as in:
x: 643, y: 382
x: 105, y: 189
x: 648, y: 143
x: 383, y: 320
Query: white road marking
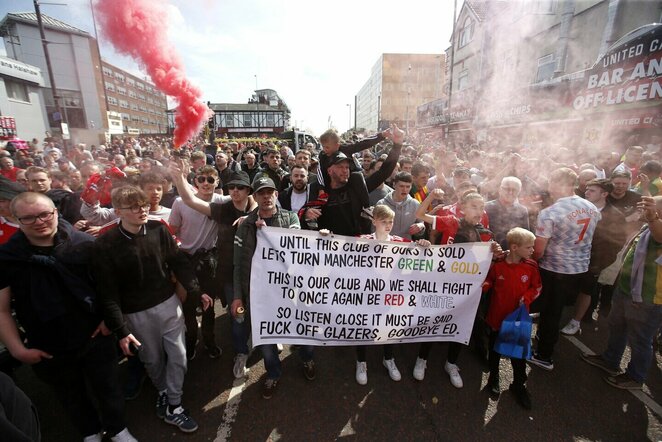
x: 643, y: 397
x: 230, y: 413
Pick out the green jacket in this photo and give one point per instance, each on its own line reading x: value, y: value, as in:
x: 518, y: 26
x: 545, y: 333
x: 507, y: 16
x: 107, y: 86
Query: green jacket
x: 245, y: 242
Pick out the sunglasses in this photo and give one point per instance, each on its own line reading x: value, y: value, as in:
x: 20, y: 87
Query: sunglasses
x: 202, y: 179
x: 236, y: 186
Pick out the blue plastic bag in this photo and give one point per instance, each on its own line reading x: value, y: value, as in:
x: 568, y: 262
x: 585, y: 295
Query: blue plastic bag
x: 514, y: 340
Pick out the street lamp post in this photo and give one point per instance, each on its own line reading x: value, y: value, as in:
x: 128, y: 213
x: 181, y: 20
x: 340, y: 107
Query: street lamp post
x: 349, y: 117
x: 408, y: 93
x: 51, y: 77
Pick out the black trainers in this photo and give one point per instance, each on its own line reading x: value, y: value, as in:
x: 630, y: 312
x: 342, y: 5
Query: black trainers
x: 180, y: 418
x: 546, y: 364
x: 309, y: 370
x: 269, y: 387
x: 522, y: 395
x: 598, y: 361
x: 624, y: 382
x: 161, y: 404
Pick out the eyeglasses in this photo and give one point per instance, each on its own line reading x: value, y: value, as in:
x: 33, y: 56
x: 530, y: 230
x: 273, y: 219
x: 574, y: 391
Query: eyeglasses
x: 236, y: 186
x: 136, y: 208
x: 201, y: 179
x: 31, y: 219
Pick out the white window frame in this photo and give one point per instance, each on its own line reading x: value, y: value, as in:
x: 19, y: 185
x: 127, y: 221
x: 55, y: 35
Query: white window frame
x: 466, y: 33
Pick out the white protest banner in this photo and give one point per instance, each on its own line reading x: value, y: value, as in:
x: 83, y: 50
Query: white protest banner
x: 337, y: 290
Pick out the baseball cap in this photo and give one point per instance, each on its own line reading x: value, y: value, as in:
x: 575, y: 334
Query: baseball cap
x: 338, y: 157
x: 263, y: 183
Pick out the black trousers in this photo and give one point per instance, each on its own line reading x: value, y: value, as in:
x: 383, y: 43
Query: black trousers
x: 519, y: 365
x: 361, y: 352
x: 556, y: 289
x: 454, y: 349
x: 205, y: 265
x: 95, y: 364
x: 18, y: 417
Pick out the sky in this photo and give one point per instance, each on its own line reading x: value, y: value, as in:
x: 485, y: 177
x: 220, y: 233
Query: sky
x: 315, y: 55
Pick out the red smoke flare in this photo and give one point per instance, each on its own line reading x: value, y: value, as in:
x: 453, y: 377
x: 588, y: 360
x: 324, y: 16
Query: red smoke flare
x: 138, y: 28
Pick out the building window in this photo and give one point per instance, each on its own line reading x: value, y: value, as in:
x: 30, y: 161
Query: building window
x: 121, y: 90
x: 463, y: 80
x: 126, y: 117
x: 119, y: 77
x: 546, y: 66
x: 132, y: 94
x: 229, y: 120
x: 107, y: 71
x: 134, y: 106
x: 248, y: 121
x: 110, y: 86
x: 112, y: 100
x: 141, y: 96
x: 124, y: 104
x: 130, y: 81
x: 270, y: 119
x: 545, y: 6
x: 17, y: 91
x: 140, y: 86
x: 466, y: 33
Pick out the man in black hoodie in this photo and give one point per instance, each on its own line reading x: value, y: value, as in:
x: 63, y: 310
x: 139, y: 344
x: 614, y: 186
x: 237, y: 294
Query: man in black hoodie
x: 45, y: 275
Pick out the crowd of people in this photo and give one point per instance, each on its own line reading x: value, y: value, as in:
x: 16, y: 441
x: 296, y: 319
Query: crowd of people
x: 124, y: 246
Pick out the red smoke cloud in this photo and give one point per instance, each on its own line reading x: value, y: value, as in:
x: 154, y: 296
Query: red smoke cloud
x: 138, y: 28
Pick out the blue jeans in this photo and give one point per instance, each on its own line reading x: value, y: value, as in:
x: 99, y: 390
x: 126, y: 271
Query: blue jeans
x: 272, y: 361
x: 239, y: 329
x: 634, y: 325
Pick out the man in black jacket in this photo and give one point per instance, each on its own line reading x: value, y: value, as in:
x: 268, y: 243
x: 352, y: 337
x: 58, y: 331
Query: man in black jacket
x: 45, y: 275
x: 347, y: 192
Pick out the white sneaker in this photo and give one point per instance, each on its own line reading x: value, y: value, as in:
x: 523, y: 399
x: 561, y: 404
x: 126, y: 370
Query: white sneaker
x: 124, y: 436
x: 361, y: 373
x: 572, y: 328
x: 393, y: 371
x: 454, y: 373
x: 419, y: 369
x: 93, y: 438
x: 239, y: 368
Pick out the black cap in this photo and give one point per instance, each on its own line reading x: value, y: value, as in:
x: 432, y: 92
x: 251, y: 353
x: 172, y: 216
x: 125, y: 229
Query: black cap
x: 263, y: 183
x: 338, y: 157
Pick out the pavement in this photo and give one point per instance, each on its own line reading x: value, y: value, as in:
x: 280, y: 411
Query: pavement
x: 570, y: 403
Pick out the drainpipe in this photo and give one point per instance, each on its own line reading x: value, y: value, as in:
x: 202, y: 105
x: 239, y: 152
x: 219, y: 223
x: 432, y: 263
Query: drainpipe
x: 608, y: 34
x: 564, y: 36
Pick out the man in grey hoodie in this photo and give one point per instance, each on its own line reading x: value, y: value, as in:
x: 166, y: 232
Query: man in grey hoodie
x: 405, y: 223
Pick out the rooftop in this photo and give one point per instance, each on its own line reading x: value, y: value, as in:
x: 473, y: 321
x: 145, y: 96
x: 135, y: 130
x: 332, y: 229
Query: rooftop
x: 31, y: 19
x: 479, y: 7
